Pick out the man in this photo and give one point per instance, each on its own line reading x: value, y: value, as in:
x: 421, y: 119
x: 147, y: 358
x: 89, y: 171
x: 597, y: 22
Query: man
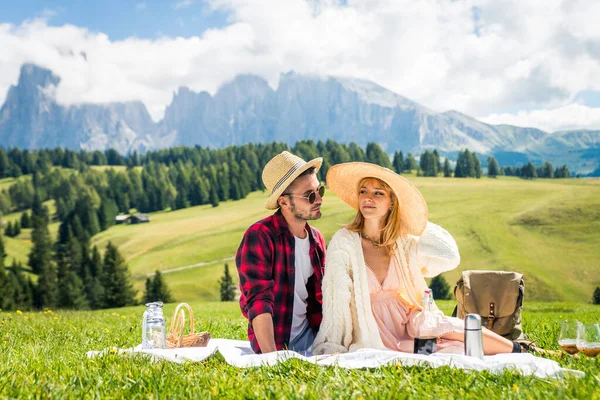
x: 281, y: 259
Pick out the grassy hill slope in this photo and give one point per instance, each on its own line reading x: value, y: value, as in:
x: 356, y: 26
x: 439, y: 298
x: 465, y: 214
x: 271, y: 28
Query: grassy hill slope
x: 547, y: 229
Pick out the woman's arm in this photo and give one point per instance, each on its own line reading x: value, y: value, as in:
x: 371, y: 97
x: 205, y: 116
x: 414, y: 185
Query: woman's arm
x: 335, y: 333
x: 437, y: 251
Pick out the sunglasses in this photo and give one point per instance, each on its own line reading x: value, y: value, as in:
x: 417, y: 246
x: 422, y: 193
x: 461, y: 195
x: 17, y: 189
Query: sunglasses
x: 312, y: 196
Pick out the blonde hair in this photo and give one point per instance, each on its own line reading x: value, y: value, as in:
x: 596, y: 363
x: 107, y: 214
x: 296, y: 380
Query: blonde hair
x: 393, y: 227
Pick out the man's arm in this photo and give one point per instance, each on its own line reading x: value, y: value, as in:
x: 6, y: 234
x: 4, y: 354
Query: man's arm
x: 254, y: 264
x: 263, y: 330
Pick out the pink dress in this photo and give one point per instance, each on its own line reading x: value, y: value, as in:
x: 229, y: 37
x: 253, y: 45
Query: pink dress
x: 398, y: 321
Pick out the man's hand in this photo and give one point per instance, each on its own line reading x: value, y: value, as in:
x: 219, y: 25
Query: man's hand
x: 263, y: 330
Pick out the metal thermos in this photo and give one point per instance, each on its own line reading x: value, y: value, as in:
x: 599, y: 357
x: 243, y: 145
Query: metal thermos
x: 473, y: 336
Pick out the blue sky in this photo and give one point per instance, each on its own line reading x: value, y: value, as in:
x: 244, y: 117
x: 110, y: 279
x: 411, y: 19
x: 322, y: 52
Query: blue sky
x: 120, y: 19
x: 518, y: 62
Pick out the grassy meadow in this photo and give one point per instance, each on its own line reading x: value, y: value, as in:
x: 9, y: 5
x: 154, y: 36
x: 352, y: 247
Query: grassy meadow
x: 43, y: 356
x: 547, y: 229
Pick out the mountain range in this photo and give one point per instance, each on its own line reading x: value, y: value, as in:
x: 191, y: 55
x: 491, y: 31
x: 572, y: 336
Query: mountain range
x: 247, y: 109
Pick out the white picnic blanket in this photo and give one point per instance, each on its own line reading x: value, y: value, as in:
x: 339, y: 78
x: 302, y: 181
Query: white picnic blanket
x: 238, y: 353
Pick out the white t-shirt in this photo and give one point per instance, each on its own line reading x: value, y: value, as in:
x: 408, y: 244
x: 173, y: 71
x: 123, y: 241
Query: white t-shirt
x: 304, y: 270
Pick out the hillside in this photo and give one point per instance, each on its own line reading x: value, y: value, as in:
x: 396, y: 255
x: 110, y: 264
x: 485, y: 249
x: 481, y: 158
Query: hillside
x: 547, y: 229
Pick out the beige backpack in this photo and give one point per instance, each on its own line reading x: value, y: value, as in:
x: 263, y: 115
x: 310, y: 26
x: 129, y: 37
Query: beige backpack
x: 497, y: 296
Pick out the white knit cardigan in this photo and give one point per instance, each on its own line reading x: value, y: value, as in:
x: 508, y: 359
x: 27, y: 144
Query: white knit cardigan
x: 348, y: 323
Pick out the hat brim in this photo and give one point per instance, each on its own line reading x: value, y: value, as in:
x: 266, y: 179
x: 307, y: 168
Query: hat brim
x: 271, y: 203
x: 343, y: 180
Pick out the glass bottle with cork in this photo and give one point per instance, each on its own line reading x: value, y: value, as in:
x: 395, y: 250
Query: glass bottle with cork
x: 153, y: 327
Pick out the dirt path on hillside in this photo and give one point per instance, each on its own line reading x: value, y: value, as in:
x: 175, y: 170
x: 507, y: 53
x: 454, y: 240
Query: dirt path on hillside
x: 198, y: 265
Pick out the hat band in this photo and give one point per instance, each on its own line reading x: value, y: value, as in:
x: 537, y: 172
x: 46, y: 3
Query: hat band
x: 298, y: 165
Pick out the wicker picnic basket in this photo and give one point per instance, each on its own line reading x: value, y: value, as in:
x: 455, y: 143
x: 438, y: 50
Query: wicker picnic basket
x: 176, y: 338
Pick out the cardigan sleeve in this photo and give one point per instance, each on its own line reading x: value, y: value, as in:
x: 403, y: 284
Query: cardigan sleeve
x: 437, y: 251
x: 335, y: 333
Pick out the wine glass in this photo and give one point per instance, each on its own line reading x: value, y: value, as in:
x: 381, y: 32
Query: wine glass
x: 567, y: 339
x: 588, y: 339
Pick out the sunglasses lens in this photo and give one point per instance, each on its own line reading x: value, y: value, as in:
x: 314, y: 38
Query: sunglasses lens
x: 321, y: 190
x: 312, y: 197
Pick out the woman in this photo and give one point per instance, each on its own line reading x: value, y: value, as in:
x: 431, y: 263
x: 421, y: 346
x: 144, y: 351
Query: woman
x: 375, y: 269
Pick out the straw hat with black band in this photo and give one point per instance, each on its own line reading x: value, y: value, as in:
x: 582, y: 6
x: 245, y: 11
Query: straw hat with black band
x: 343, y: 180
x: 281, y: 171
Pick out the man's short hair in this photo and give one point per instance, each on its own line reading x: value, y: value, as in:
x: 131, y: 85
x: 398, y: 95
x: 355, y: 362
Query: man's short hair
x: 310, y: 171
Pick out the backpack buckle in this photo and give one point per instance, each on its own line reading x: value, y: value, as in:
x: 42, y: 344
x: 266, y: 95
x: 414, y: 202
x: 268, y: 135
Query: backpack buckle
x: 492, y: 316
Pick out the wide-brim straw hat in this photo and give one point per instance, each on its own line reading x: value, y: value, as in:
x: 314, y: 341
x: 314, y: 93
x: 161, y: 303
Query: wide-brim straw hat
x: 343, y: 180
x: 281, y: 171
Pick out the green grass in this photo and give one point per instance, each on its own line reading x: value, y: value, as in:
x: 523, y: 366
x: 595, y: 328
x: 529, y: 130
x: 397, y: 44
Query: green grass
x: 5, y: 183
x: 43, y: 356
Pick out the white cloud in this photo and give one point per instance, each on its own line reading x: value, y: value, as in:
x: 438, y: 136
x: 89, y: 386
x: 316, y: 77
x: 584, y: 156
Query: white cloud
x: 183, y: 4
x: 537, y: 54
x: 572, y: 116
x: 141, y: 6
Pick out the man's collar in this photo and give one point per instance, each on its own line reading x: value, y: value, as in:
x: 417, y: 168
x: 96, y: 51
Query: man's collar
x: 279, y: 223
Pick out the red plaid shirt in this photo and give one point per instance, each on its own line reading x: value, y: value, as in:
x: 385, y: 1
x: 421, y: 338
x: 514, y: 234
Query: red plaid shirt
x: 266, y: 265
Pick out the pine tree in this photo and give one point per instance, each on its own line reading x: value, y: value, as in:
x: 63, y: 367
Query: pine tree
x: 204, y: 194
x: 411, y: 163
x: 469, y: 163
x: 94, y: 292
x: 8, y: 231
x: 25, y: 221
x: 547, y: 171
x: 149, y: 292
x: 529, y: 171
x: 227, y: 286
x: 181, y: 199
x: 93, y: 280
x: 2, y: 251
x: 3, y: 278
x: 428, y: 164
x: 24, y: 298
x: 376, y: 155
x: 596, y: 297
x: 438, y: 164
x: 95, y: 263
x: 493, y: 167
x: 71, y: 290
x: 476, y: 165
x: 16, y: 229
x: 41, y: 252
x: 398, y: 162
x: 107, y: 212
x: 447, y: 169
x: 440, y: 288
x: 245, y: 179
x: 46, y: 291
x: 8, y: 289
x: 118, y: 290
x: 4, y: 164
x: 465, y: 165
x: 160, y: 290
x: 214, y: 197
x: 224, y: 182
x: 40, y: 257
